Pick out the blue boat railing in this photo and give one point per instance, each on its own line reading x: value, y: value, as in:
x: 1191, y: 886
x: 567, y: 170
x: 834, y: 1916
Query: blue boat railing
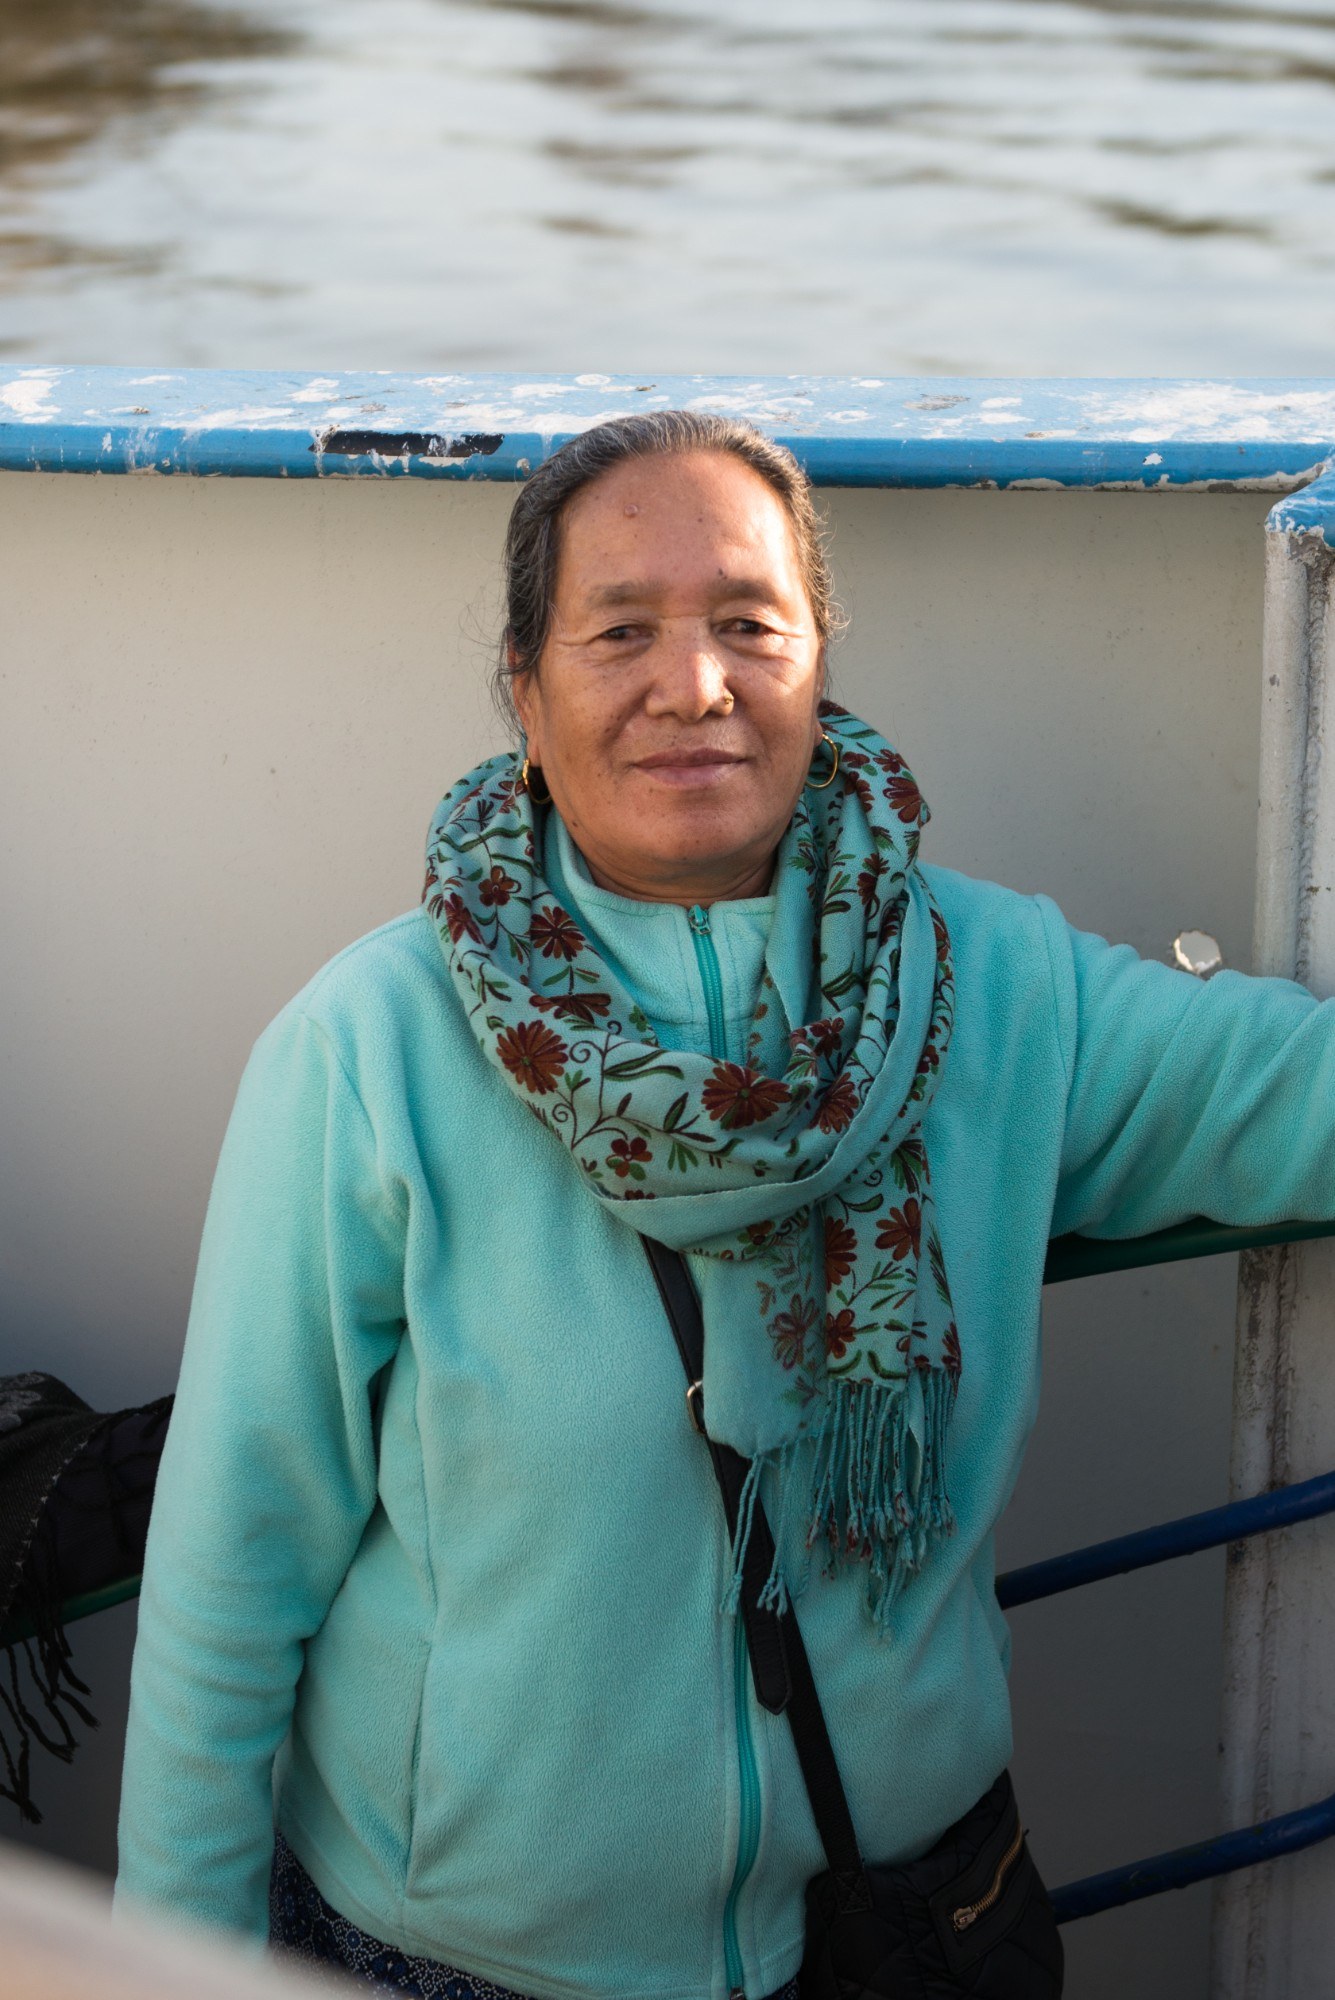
x: 1288, y: 1833
x: 1211, y: 1530
x: 1072, y: 1257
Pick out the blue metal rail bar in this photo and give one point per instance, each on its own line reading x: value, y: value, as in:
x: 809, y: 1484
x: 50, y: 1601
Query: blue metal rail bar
x: 1227, y: 1852
x: 1289, y: 1833
x: 1210, y: 1530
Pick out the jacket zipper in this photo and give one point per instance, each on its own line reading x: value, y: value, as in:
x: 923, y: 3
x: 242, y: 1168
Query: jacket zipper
x: 710, y: 978
x: 748, y: 1776
x: 748, y: 1816
x: 969, y: 1913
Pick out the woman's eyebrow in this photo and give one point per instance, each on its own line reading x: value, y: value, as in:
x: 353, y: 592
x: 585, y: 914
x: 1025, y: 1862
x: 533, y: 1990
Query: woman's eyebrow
x: 609, y: 595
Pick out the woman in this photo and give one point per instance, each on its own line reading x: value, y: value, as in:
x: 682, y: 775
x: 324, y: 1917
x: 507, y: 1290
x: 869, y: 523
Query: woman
x: 438, y: 1561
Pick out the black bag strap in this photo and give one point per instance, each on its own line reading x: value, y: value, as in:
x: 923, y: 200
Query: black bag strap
x: 779, y: 1665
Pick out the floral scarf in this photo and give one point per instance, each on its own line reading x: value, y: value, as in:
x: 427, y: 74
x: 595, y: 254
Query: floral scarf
x: 837, y: 1365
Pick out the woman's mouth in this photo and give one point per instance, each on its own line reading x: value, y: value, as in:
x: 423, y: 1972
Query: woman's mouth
x: 690, y: 769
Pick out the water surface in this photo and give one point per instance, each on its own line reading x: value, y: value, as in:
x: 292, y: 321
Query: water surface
x: 972, y: 186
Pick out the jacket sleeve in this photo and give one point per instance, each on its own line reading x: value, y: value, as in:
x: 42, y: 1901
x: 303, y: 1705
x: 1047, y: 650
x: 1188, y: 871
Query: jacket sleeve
x: 268, y: 1477
x: 1188, y: 1098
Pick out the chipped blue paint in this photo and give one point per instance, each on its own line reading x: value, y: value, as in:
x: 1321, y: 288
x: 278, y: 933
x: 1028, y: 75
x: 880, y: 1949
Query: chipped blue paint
x: 848, y: 431
x: 1310, y: 512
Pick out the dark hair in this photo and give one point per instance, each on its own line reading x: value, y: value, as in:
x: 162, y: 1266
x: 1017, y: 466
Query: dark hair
x: 532, y: 540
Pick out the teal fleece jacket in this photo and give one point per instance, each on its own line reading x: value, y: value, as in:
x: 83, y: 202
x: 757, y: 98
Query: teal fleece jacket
x: 437, y: 1559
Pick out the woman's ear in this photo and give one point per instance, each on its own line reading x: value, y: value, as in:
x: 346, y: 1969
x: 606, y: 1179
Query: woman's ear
x: 522, y: 692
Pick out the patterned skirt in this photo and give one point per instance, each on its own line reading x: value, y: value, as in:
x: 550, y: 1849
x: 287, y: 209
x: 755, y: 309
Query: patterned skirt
x: 300, y: 1921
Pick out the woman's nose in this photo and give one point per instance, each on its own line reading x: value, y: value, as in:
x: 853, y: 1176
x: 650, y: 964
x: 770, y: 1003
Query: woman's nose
x: 689, y: 676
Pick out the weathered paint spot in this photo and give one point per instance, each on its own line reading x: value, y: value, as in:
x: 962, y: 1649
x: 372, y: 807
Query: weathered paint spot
x: 29, y: 395
x: 524, y: 391
x: 408, y: 444
x: 1308, y: 516
x: 317, y: 391
x: 1218, y: 410
x: 250, y: 416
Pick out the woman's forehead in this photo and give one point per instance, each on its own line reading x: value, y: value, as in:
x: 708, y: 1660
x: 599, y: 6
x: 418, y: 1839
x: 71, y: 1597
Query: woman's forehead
x: 653, y: 522
x: 652, y: 476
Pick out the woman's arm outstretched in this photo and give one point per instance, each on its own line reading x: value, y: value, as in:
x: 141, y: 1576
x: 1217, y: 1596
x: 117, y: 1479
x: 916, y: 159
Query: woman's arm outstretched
x: 1186, y: 1098
x: 268, y: 1477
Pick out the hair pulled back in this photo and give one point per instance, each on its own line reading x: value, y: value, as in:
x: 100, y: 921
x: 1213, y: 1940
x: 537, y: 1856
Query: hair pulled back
x: 533, y: 537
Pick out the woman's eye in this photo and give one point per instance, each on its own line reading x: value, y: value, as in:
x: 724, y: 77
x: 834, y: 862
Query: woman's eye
x: 620, y: 632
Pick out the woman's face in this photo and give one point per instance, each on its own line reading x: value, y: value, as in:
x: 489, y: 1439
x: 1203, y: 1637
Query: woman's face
x: 674, y: 711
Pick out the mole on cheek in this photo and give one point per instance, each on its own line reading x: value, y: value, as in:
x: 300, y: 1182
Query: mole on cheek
x: 632, y: 509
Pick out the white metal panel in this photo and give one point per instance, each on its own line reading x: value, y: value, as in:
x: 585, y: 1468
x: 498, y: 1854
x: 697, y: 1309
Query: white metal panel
x: 228, y: 708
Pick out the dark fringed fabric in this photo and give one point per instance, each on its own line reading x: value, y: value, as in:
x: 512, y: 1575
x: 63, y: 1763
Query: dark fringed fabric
x: 76, y: 1487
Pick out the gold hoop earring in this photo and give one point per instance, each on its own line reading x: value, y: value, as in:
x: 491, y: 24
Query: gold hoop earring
x: 825, y: 783
x: 538, y: 798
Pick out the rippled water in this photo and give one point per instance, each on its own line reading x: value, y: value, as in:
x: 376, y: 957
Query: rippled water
x: 975, y: 186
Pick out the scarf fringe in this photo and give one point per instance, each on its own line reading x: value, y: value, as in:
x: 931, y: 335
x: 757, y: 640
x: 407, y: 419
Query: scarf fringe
x: 877, y: 1490
x: 34, y: 1702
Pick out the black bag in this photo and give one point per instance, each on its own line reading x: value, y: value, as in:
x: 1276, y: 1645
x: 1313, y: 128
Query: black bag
x: 76, y: 1487
x: 970, y: 1920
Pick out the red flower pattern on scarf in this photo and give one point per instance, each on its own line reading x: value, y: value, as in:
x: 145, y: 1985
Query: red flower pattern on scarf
x: 901, y: 1231
x: 497, y: 888
x: 841, y: 1249
x: 737, y: 1096
x: 838, y: 1105
x: 555, y: 934
x: 533, y: 1055
x: 840, y: 1328
x: 459, y: 920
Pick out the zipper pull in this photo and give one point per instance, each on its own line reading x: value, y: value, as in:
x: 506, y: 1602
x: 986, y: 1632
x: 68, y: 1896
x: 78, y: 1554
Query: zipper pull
x: 699, y: 919
x: 970, y: 1912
